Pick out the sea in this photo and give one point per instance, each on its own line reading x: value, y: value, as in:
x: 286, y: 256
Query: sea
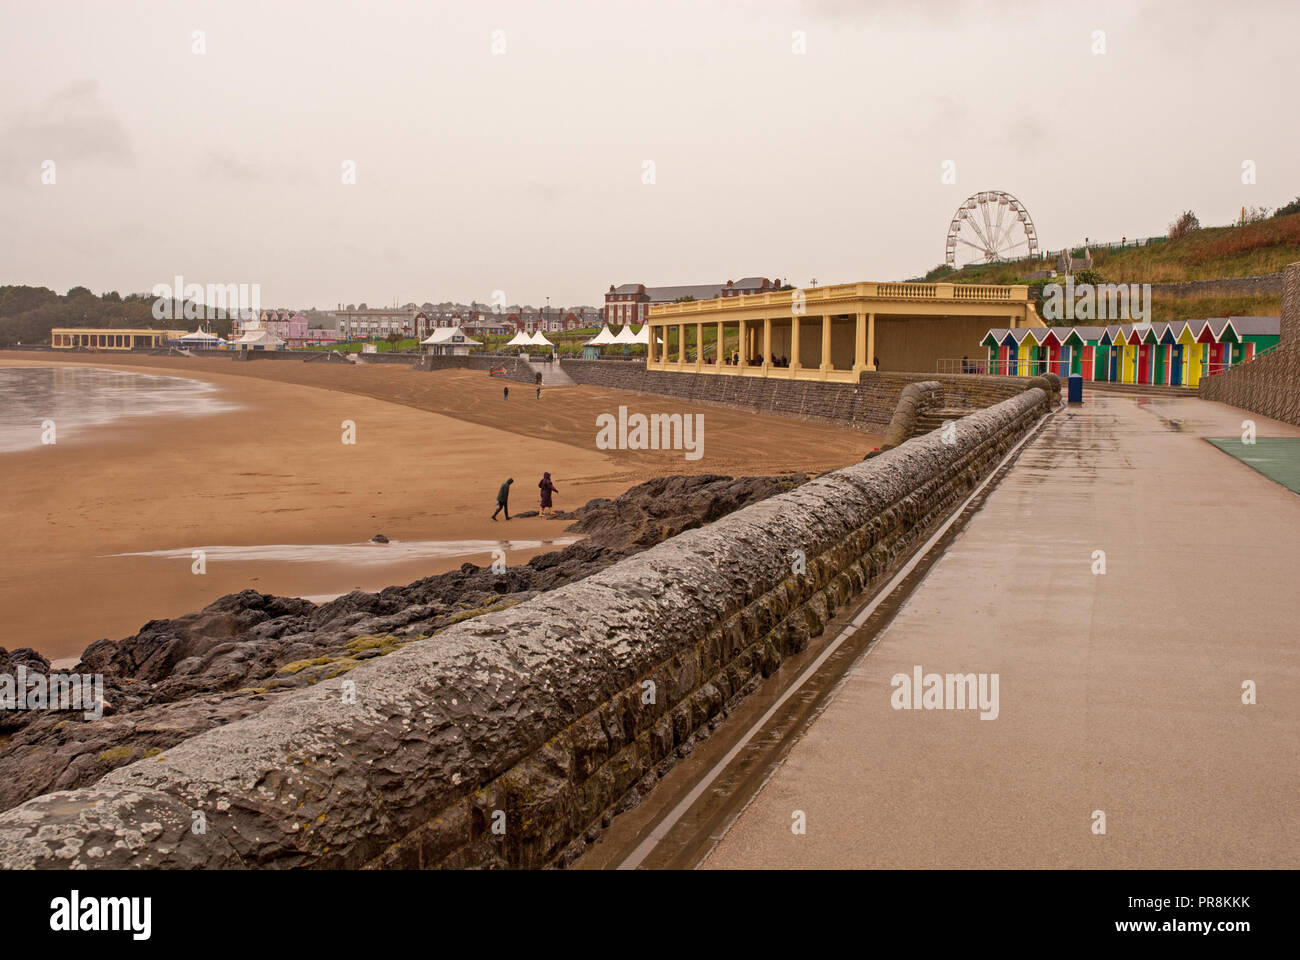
x: 61, y: 403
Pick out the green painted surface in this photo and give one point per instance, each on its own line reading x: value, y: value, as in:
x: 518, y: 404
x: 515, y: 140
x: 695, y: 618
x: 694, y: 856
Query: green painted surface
x: 1277, y: 458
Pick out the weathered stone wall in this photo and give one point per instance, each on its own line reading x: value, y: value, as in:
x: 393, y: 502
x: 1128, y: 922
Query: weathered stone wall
x: 1270, y: 384
x: 539, y: 717
x: 521, y: 371
x: 246, y: 355
x: 390, y: 356
x: 868, y: 404
x: 1262, y: 285
x: 917, y: 399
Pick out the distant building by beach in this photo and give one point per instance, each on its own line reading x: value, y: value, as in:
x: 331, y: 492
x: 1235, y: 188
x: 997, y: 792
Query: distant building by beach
x: 449, y: 341
x: 107, y: 338
x: 554, y: 320
x: 358, y: 324
x: 317, y: 336
x: 631, y: 302
x: 257, y: 337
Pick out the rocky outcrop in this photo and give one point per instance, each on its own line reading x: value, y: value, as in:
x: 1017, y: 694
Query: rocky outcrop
x: 510, y: 739
x: 177, y: 678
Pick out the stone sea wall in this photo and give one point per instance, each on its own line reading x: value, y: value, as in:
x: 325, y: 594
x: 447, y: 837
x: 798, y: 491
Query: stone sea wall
x: 1270, y: 384
x: 868, y: 404
x: 520, y: 371
x: 509, y: 739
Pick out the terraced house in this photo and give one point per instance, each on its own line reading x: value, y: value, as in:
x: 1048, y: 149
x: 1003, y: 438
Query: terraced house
x: 631, y: 302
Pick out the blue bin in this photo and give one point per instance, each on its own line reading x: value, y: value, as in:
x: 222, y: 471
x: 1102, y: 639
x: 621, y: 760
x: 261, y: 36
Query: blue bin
x: 1074, y: 390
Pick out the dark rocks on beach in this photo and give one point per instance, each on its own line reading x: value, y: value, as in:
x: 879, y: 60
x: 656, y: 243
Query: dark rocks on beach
x: 177, y: 678
x: 379, y: 538
x: 525, y: 514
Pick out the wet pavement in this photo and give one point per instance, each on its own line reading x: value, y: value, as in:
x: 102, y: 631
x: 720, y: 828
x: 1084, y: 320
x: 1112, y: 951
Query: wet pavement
x: 1277, y: 458
x: 1119, y: 694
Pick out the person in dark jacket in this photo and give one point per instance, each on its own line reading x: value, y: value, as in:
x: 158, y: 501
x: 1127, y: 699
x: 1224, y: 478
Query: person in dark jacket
x: 503, y: 499
x: 547, y: 488
x: 505, y: 393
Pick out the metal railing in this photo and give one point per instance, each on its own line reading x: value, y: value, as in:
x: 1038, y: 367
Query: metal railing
x: 813, y: 296
x: 1063, y: 368
x: 1013, y: 368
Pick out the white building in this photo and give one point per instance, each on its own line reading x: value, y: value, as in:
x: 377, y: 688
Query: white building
x: 257, y: 337
x: 449, y: 341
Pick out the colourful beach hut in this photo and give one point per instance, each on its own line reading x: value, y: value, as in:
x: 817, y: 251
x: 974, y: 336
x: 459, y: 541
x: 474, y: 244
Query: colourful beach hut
x: 1257, y: 335
x: 1165, y: 338
x: 1177, y: 353
x: 1146, y: 346
x: 992, y: 342
x: 1190, y: 355
x: 1018, y: 345
x: 1026, y: 352
x: 1049, y: 350
x: 1111, y: 350
x: 1085, y: 356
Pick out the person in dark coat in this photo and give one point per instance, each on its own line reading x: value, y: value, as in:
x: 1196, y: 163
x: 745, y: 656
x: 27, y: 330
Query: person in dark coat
x: 547, y: 488
x: 503, y: 499
x: 506, y: 394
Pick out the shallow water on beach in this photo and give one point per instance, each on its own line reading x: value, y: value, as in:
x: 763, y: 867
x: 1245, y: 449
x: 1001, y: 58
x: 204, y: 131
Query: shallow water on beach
x: 362, y: 554
x: 78, y: 399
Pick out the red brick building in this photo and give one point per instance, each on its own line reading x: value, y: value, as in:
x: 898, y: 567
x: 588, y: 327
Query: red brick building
x: 631, y: 302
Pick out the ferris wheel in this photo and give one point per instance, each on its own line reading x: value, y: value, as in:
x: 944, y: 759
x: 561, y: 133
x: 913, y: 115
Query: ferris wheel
x: 988, y: 227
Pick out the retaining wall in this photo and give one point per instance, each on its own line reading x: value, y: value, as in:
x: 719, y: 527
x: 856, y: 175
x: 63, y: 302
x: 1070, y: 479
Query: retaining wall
x: 521, y: 371
x: 544, y: 718
x: 1270, y: 384
x: 390, y: 356
x: 1262, y: 285
x: 868, y: 404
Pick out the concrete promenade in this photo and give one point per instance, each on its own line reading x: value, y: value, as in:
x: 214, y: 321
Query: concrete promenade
x: 1119, y: 692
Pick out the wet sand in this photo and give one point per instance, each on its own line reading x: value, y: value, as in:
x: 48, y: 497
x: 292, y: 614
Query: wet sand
x: 431, y: 450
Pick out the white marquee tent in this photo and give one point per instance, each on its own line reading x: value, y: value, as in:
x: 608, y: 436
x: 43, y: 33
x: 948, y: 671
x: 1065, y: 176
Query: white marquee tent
x: 643, y: 335
x: 520, y: 340
x: 539, y: 340
x: 600, y: 339
x: 449, y: 340
x: 257, y: 337
x: 625, y: 336
x: 201, y: 339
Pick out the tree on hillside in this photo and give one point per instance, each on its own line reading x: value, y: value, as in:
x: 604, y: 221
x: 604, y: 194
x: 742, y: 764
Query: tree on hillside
x: 1287, y: 209
x: 1184, y: 225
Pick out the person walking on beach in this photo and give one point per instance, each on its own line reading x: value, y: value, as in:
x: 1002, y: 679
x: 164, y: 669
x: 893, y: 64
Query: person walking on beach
x: 539, y: 391
x: 503, y: 499
x: 507, y: 393
x: 547, y: 488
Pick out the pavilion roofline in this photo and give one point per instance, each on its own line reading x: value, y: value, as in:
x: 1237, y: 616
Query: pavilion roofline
x: 934, y: 292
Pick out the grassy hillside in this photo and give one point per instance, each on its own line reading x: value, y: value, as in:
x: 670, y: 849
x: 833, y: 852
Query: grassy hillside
x: 1211, y: 253
x: 1166, y: 308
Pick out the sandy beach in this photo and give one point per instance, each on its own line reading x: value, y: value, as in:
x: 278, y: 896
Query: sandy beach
x: 431, y: 450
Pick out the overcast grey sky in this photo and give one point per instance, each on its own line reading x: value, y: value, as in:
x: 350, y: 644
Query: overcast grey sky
x: 523, y: 171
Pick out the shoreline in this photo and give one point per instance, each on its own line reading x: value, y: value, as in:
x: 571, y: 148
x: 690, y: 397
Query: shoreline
x: 431, y: 450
